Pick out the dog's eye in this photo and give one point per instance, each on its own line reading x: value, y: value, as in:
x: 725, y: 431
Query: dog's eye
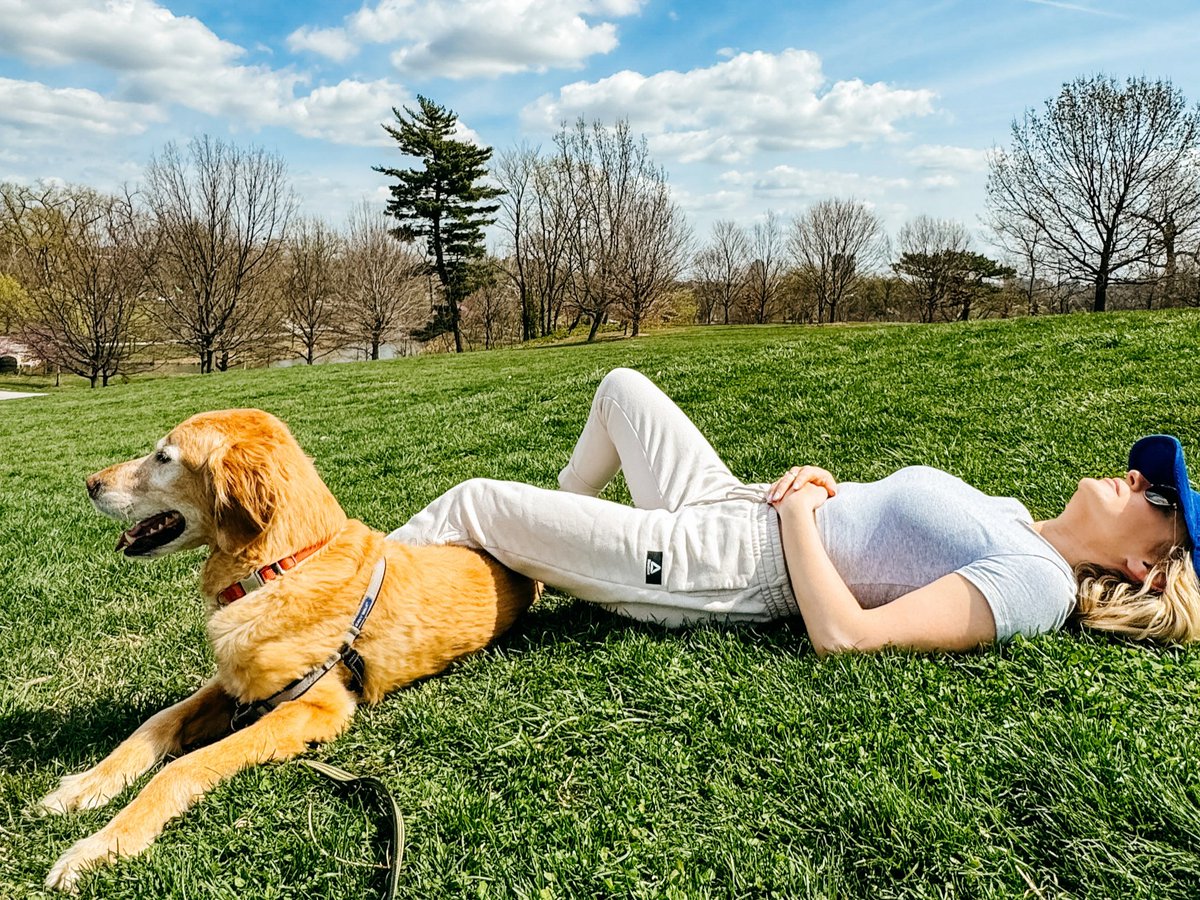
x: 161, y: 456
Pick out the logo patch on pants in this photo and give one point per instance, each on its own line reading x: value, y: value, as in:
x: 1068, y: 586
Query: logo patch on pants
x: 654, y: 567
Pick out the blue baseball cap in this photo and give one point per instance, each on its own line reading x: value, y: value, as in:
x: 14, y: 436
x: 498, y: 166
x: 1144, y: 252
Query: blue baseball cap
x: 1159, y: 458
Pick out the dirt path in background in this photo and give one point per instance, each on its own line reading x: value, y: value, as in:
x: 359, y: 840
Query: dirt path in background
x: 14, y: 395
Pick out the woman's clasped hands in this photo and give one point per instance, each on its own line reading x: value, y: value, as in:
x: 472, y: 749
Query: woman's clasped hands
x: 804, y: 486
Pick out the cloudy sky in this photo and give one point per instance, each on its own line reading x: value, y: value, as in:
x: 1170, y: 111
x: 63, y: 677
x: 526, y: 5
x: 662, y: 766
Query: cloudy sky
x: 748, y: 105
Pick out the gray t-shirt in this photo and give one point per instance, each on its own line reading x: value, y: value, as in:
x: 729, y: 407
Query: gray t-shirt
x: 889, y: 537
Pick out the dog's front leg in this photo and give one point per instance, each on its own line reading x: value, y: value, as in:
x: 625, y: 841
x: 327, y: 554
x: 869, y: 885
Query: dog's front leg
x: 287, y: 731
x: 204, y: 713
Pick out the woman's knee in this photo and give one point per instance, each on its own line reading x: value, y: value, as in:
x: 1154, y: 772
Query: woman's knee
x: 623, y: 385
x: 474, y: 488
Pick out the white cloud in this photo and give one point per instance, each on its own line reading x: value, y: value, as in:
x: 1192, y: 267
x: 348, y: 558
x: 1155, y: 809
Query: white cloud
x: 349, y: 112
x: 162, y: 59
x: 122, y: 35
x: 939, y: 182
x: 790, y: 182
x: 751, y: 103
x: 330, y: 42
x: 33, y: 112
x: 476, y: 38
x: 724, y: 203
x: 945, y: 159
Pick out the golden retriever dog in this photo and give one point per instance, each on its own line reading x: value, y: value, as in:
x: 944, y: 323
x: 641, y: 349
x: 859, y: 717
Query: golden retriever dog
x: 237, y: 482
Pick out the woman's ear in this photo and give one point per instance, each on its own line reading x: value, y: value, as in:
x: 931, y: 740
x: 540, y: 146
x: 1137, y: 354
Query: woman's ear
x: 245, y: 496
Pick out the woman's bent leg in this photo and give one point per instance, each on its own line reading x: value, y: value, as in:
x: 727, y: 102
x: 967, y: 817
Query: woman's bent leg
x: 652, y: 565
x: 635, y: 427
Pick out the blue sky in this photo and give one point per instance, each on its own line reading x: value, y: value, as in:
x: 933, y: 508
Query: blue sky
x: 749, y: 106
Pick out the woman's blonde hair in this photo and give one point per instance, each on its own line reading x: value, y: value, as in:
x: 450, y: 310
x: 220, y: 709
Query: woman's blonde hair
x: 1108, y: 601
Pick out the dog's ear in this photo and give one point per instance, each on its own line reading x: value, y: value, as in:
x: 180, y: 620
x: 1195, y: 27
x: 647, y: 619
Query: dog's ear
x: 244, y: 491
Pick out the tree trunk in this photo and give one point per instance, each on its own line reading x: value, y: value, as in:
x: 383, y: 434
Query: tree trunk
x: 1100, y: 302
x: 455, y: 324
x: 595, y: 327
x: 528, y: 316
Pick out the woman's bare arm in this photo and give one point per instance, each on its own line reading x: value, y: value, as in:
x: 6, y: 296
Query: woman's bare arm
x: 949, y: 614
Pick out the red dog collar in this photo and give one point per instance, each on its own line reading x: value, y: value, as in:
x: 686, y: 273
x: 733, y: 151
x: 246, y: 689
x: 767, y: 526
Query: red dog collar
x: 259, y: 577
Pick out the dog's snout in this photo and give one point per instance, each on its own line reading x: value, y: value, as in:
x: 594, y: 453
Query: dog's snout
x: 94, y: 486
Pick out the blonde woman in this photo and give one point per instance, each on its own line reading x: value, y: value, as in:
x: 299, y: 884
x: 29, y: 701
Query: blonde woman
x: 918, y: 560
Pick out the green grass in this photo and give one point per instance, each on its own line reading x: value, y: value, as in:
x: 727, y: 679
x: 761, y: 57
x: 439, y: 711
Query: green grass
x: 585, y: 756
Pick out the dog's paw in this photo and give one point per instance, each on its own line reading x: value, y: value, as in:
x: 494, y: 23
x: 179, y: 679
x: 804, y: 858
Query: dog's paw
x: 86, y: 790
x: 93, y: 851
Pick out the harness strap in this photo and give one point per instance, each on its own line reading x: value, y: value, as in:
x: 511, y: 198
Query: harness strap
x: 248, y: 713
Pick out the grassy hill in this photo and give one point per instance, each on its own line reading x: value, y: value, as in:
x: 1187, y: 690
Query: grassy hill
x: 585, y: 756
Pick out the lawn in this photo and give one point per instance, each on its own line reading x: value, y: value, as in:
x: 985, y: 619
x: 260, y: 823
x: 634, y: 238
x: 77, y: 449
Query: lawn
x: 585, y: 756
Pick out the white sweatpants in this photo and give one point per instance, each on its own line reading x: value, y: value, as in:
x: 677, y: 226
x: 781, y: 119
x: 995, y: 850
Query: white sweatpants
x: 698, y: 544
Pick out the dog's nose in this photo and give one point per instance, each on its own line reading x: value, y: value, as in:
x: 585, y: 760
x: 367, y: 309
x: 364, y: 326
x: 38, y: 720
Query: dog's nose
x: 94, y: 486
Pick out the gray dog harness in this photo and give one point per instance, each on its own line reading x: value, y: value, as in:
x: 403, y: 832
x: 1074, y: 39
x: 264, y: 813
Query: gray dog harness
x: 248, y: 713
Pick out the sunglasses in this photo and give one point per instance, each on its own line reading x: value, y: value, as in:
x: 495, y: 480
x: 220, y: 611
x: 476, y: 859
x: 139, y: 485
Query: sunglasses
x: 1162, y: 496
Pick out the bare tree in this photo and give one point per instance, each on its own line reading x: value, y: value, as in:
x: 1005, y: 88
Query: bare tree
x: 82, y: 280
x: 311, y: 276
x: 653, y: 249
x: 12, y: 295
x: 537, y: 219
x: 764, y: 278
x: 612, y: 183
x: 385, y: 283
x: 553, y: 218
x: 1173, y: 215
x: 721, y: 269
x: 834, y: 244
x: 1022, y: 240
x: 218, y: 214
x: 1105, y: 175
x: 514, y: 171
x: 491, y: 314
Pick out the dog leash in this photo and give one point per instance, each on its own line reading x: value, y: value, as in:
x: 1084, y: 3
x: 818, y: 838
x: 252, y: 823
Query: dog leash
x: 357, y: 782
x: 247, y: 713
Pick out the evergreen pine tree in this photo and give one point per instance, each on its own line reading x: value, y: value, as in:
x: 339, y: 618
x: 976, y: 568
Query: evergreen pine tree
x: 442, y: 203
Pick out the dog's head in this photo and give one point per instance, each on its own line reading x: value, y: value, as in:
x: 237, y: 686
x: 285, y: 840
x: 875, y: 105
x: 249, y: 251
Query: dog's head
x: 219, y: 478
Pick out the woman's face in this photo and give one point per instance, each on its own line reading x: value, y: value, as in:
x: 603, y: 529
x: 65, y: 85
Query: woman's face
x: 1123, y: 529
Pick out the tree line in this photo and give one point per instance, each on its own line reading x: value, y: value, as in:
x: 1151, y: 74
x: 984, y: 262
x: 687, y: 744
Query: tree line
x: 1095, y: 204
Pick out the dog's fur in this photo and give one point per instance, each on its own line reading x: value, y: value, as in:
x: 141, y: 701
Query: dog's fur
x: 246, y: 490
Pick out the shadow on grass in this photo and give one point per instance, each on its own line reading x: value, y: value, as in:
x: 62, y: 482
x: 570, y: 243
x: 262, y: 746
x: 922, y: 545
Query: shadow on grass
x: 81, y: 735
x: 77, y: 736
x: 579, y: 342
x: 588, y: 626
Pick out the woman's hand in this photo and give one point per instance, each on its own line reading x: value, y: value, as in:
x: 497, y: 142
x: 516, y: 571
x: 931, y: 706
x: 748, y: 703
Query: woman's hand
x: 821, y: 486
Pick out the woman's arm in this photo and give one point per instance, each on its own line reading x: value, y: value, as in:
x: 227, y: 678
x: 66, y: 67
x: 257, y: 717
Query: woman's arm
x: 949, y: 614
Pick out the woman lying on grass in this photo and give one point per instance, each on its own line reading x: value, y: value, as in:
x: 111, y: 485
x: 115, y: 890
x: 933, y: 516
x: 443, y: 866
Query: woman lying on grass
x: 917, y: 560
